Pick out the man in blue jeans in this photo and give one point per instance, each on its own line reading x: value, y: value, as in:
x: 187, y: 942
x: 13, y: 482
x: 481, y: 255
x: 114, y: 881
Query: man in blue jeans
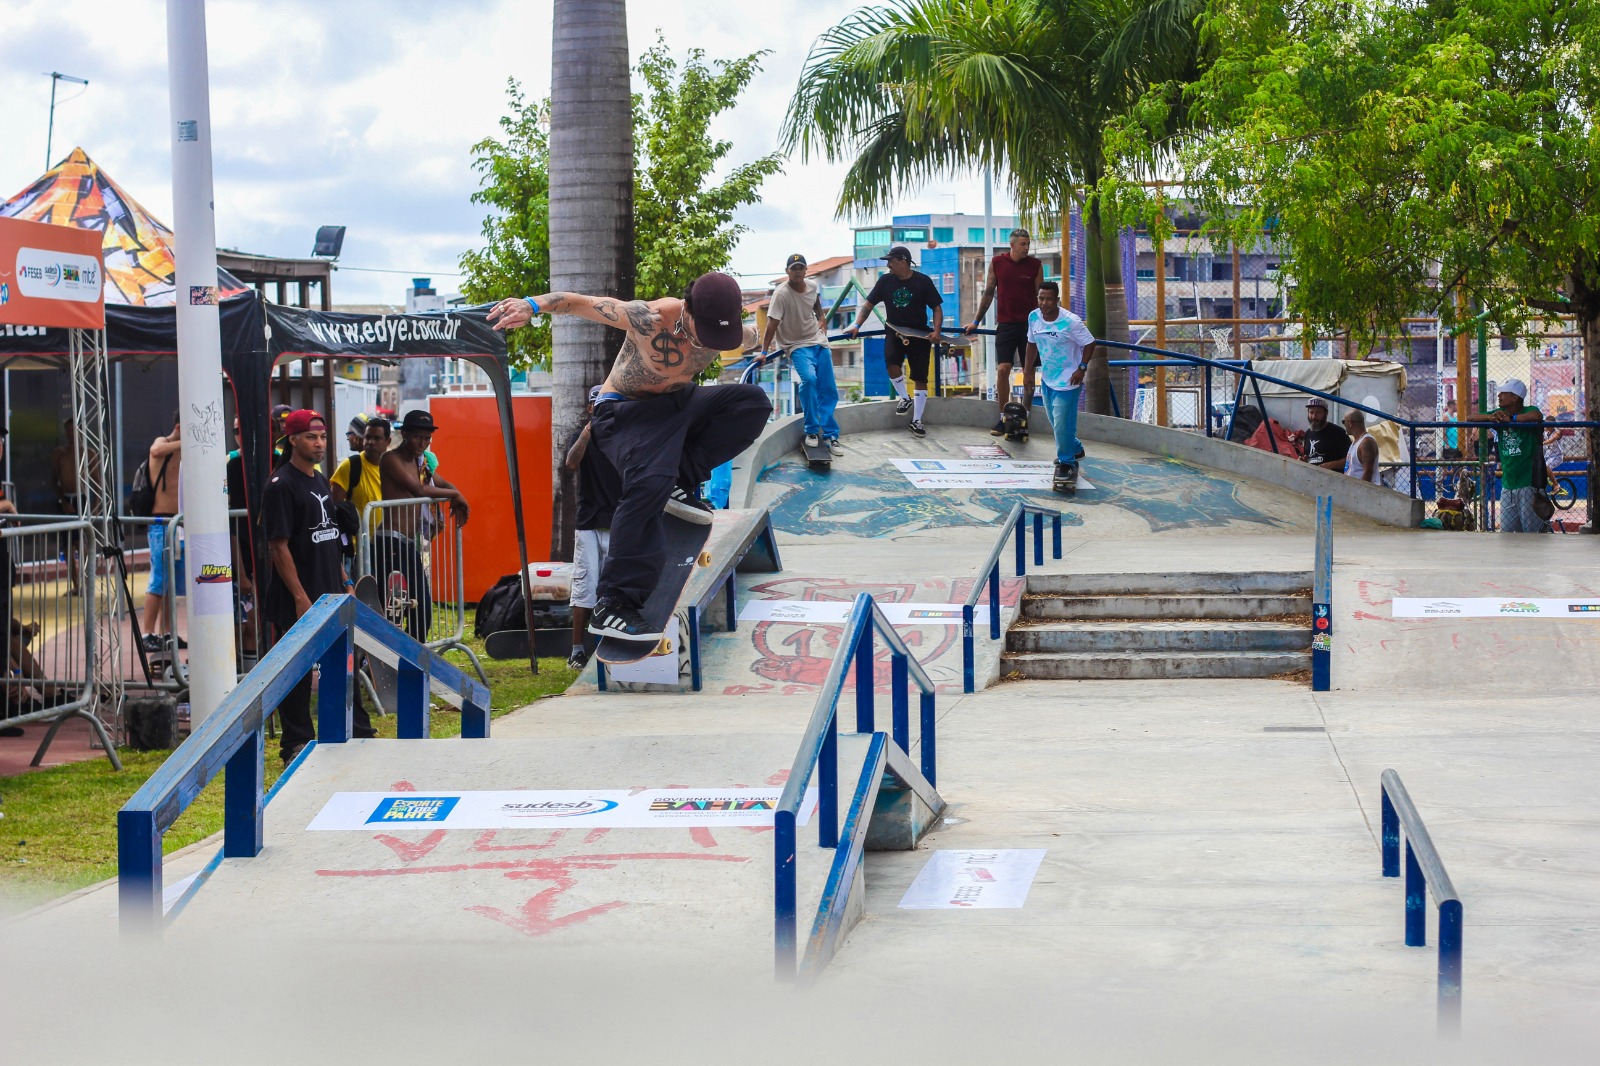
x: 795, y: 320
x: 1062, y: 345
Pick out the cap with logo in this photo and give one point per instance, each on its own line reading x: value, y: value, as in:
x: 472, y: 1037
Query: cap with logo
x: 1317, y: 401
x: 717, y: 308
x: 899, y: 251
x: 795, y: 260
x: 303, y: 421
x: 418, y: 421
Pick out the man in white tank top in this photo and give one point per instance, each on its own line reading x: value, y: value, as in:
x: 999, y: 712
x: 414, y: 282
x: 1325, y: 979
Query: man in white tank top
x: 1362, y: 459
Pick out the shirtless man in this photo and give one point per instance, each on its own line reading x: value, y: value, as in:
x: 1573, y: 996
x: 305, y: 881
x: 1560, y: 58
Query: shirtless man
x: 662, y: 433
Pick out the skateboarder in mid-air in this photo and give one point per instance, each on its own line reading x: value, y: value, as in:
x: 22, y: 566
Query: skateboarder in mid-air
x: 663, y: 433
x: 1062, y: 344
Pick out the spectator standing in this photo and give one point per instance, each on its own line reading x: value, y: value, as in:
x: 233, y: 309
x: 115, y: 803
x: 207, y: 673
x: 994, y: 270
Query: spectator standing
x: 355, y: 435
x: 909, y: 295
x: 1520, y: 456
x: 1060, y: 343
x: 1452, y: 435
x: 166, y: 462
x: 64, y: 476
x: 599, y: 487
x: 1326, y: 443
x: 795, y: 321
x: 1013, y: 285
x: 244, y: 559
x: 1362, y: 459
x: 359, y: 478
x: 407, y: 475
x: 307, y: 561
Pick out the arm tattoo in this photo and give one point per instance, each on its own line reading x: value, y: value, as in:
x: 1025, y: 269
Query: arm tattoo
x: 640, y: 317
x: 556, y: 301
x: 607, y: 309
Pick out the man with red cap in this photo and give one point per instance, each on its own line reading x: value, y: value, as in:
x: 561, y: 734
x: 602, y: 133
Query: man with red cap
x: 305, y: 560
x: 663, y: 433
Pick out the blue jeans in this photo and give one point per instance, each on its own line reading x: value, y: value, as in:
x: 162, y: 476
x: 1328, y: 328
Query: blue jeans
x: 819, y: 394
x: 1063, y: 408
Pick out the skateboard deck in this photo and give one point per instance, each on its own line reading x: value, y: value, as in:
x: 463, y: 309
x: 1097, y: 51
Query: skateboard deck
x: 685, y: 550
x: 954, y: 340
x: 1015, y: 417
x: 1065, y: 480
x: 385, y: 682
x: 513, y: 643
x: 819, y: 458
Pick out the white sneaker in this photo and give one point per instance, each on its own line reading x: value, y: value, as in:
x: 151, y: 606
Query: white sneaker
x: 813, y: 440
x: 834, y: 446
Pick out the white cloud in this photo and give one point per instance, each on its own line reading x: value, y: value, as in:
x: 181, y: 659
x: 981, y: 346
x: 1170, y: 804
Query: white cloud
x: 362, y: 113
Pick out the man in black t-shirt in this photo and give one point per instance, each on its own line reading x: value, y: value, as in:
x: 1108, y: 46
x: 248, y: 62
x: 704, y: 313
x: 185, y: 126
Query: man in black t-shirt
x: 1326, y: 443
x: 306, y: 560
x: 908, y: 295
x: 599, y: 487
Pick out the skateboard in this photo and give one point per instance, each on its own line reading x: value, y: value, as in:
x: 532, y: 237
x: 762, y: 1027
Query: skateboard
x: 513, y: 644
x: 385, y: 681
x: 685, y: 549
x: 1065, y: 481
x: 819, y: 458
x: 1015, y: 417
x: 952, y: 340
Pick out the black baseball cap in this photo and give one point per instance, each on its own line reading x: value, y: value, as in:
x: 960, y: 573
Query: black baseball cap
x: 418, y: 421
x: 899, y: 251
x: 793, y: 259
x: 717, y: 307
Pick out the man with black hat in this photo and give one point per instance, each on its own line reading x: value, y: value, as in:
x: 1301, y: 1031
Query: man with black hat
x: 1326, y: 443
x: 663, y: 433
x: 796, y: 322
x: 909, y: 295
x: 406, y: 474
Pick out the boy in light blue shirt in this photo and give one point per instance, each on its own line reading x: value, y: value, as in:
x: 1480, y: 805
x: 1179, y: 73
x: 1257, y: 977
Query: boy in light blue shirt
x: 1062, y: 345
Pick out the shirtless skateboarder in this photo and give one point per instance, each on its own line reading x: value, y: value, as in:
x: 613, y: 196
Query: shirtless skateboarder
x: 663, y: 433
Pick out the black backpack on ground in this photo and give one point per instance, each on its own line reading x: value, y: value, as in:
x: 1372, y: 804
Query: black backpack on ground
x: 501, y: 609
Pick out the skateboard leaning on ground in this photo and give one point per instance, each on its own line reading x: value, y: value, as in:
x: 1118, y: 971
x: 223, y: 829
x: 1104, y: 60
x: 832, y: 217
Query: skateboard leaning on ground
x: 385, y: 681
x: 1015, y: 418
x: 685, y: 550
x: 513, y: 643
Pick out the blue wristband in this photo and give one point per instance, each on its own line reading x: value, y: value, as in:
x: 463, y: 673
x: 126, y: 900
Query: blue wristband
x: 532, y: 303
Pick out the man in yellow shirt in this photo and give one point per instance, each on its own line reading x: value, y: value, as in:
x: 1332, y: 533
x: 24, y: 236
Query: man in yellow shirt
x: 368, y: 480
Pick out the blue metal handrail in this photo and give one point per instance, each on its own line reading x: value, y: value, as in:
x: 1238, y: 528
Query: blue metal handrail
x: 1322, y: 599
x: 230, y: 738
x: 819, y: 750
x: 1425, y: 873
x: 991, y: 570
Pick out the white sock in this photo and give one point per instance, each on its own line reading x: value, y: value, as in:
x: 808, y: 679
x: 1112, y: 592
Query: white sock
x: 899, y: 384
x: 918, y: 404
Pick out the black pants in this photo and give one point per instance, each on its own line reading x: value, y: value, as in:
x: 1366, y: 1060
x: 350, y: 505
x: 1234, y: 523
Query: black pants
x: 395, y: 552
x: 898, y: 350
x: 295, y: 728
x: 1010, y: 343
x: 656, y: 443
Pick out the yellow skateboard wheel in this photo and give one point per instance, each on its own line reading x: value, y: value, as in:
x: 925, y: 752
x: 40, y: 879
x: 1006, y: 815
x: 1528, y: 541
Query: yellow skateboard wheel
x: 705, y: 559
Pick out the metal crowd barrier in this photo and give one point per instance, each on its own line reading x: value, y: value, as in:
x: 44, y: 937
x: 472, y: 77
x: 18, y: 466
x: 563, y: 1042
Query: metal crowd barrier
x: 991, y: 580
x: 1425, y: 873
x: 413, y: 549
x: 47, y: 612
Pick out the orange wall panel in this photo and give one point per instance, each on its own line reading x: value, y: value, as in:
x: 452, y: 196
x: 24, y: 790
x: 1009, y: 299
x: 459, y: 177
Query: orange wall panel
x: 472, y: 456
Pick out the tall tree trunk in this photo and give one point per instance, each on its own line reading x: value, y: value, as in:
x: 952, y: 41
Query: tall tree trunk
x: 591, y: 215
x: 1116, y: 302
x: 1097, y: 379
x: 1586, y: 307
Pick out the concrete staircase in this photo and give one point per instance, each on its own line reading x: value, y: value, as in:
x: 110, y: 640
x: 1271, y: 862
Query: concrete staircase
x: 1112, y: 626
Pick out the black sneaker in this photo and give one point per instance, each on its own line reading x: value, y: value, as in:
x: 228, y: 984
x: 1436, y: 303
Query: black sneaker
x: 1080, y: 452
x: 999, y: 429
x: 689, y: 508
x: 577, y: 660
x: 917, y: 429
x: 902, y: 405
x: 620, y: 620
x: 150, y: 642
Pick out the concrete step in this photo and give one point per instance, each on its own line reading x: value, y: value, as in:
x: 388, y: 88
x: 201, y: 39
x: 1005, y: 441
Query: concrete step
x: 1275, y: 583
x: 1199, y: 635
x: 1203, y: 605
x: 1166, y: 665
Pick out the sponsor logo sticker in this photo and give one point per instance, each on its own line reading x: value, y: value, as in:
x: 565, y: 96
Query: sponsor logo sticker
x: 413, y: 809
x: 212, y: 573
x: 1519, y: 607
x: 1583, y: 608
x: 554, y: 809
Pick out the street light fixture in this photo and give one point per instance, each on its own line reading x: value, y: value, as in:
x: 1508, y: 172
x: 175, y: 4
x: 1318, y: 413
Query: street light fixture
x: 56, y: 76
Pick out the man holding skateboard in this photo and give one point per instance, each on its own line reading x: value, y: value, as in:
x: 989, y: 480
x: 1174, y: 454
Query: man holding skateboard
x: 598, y: 488
x: 661, y: 431
x: 795, y: 320
x: 1061, y: 345
x: 1014, y: 279
x: 909, y: 295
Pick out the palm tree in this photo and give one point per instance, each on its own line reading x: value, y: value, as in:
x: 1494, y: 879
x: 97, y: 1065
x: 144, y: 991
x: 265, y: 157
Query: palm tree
x: 591, y: 213
x: 924, y: 88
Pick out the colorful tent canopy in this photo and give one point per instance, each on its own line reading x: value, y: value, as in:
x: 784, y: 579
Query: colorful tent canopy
x: 138, y: 248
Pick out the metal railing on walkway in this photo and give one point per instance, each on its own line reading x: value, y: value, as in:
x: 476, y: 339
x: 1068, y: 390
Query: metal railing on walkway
x: 231, y: 738
x: 1013, y: 524
x: 819, y: 752
x: 1425, y: 873
x: 1322, y: 599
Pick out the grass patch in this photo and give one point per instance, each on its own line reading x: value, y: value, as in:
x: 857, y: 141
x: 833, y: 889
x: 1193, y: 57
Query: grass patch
x: 59, y: 832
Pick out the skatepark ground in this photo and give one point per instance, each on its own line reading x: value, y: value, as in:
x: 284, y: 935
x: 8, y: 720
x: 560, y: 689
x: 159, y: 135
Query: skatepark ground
x: 1210, y: 888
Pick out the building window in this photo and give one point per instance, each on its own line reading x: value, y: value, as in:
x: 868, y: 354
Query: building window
x: 1221, y: 271
x: 910, y: 234
x: 944, y: 234
x: 949, y: 286
x: 975, y: 235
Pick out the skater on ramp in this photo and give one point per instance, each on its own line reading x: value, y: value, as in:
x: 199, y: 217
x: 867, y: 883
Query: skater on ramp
x: 1062, y: 345
x: 662, y: 432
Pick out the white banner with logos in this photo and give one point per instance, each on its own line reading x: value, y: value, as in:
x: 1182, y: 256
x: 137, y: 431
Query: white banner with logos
x: 614, y: 808
x: 953, y: 880
x: 1486, y: 607
x: 837, y: 612
x: 979, y: 473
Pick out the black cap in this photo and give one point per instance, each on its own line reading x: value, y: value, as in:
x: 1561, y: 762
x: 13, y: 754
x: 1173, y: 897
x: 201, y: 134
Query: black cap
x: 793, y: 259
x: 717, y: 307
x: 418, y: 421
x: 899, y: 251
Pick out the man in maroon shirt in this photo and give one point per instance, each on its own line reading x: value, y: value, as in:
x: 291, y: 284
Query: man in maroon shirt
x: 1014, y: 278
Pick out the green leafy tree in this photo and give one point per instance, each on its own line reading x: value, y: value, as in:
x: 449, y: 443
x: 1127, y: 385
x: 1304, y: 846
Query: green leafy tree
x: 923, y: 88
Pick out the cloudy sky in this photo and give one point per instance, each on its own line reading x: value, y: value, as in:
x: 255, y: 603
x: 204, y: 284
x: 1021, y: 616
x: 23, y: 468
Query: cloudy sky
x: 361, y: 113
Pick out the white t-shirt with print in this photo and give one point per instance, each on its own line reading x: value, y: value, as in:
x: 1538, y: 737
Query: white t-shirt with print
x: 1061, y: 342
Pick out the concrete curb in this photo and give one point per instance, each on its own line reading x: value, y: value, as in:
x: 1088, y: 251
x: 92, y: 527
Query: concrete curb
x: 1380, y: 504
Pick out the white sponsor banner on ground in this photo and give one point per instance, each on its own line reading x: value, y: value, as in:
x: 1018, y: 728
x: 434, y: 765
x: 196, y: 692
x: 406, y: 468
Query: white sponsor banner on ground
x: 1485, y: 607
x: 980, y: 473
x: 972, y: 466
x: 837, y: 612
x: 951, y: 880
x: 615, y: 808
x: 652, y: 669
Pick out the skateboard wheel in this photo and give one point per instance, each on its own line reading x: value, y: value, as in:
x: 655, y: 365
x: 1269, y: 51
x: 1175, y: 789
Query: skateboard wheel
x: 704, y: 560
x: 665, y: 647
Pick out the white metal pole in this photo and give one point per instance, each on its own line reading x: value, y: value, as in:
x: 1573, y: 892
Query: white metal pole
x: 209, y: 572
x: 990, y: 370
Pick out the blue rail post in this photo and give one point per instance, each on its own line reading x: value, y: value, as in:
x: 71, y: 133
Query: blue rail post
x: 333, y: 687
x: 1322, y: 600
x: 969, y: 666
x: 1055, y: 535
x: 865, y: 682
x: 1021, y: 530
x: 994, y: 601
x: 784, y: 901
x: 1424, y: 873
x: 411, y: 716
x: 243, y: 828
x: 900, y: 693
